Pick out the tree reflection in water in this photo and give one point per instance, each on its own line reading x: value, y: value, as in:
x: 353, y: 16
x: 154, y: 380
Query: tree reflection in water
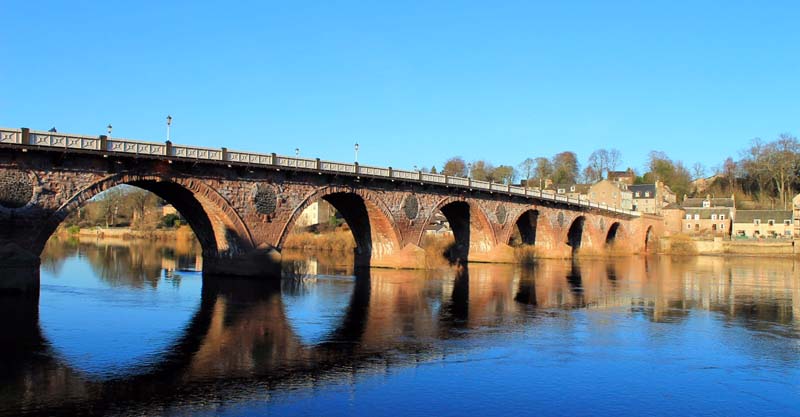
x: 134, y: 263
x: 241, y: 345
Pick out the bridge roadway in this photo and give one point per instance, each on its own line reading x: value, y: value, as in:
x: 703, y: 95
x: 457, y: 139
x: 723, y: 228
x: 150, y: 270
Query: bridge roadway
x: 242, y: 205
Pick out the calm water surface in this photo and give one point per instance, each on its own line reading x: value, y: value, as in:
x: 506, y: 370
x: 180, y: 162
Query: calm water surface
x: 133, y: 328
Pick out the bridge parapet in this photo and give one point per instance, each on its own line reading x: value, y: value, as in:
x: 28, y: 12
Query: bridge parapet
x: 81, y: 143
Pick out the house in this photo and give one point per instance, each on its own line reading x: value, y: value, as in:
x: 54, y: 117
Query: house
x: 673, y: 215
x: 627, y: 177
x: 576, y: 191
x: 651, y: 198
x: 708, y: 216
x: 612, y: 193
x: 316, y: 213
x: 763, y: 224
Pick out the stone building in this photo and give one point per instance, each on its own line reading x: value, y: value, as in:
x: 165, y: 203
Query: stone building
x: 577, y: 191
x: 316, y: 213
x: 708, y: 216
x: 651, y: 198
x: 796, y: 215
x: 673, y: 215
x: 613, y: 194
x: 627, y: 177
x: 763, y: 224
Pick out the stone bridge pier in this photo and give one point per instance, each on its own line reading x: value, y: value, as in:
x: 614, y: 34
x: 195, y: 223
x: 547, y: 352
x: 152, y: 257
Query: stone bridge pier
x: 242, y: 213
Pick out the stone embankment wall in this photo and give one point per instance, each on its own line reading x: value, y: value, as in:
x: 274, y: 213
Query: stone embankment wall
x: 720, y: 246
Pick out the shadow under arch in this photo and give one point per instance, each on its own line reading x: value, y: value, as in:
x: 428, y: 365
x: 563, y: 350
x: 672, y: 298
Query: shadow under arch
x: 216, y: 224
x: 575, y: 233
x: 613, y: 233
x: 649, y: 240
x: 373, y: 227
x: 469, y: 224
x: 526, y: 225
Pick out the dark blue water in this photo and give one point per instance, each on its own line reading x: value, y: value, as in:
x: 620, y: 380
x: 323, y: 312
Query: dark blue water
x: 131, y: 329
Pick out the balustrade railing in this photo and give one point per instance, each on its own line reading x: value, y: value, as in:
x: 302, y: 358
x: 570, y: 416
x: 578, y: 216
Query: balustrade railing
x: 25, y: 137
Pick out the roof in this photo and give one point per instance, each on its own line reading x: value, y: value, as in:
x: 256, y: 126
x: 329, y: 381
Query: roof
x: 705, y: 213
x: 579, y: 188
x: 747, y: 216
x: 672, y: 206
x: 642, y: 189
x: 715, y: 202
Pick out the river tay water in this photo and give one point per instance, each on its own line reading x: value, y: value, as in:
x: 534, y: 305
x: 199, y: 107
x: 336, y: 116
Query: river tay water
x: 133, y: 328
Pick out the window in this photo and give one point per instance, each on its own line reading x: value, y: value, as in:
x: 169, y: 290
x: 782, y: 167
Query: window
x: 697, y: 216
x: 713, y: 217
x: 647, y: 193
x: 722, y: 226
x: 688, y: 216
x: 787, y: 222
x: 722, y: 217
x: 572, y: 188
x: 706, y: 203
x: 562, y: 190
x: 788, y: 233
x: 771, y: 222
x: 689, y: 226
x: 756, y: 221
x: 638, y: 194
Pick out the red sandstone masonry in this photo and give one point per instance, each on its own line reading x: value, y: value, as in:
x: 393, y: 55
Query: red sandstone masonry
x: 219, y: 202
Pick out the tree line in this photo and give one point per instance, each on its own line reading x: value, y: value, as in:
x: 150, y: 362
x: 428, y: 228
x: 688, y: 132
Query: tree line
x: 123, y: 206
x: 766, y: 173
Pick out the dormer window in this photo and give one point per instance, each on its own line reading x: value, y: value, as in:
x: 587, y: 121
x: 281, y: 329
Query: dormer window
x: 647, y: 193
x: 706, y: 204
x: 638, y: 194
x: 722, y: 217
x: 771, y: 222
x: 756, y: 221
x: 713, y: 217
x: 688, y: 217
x: 787, y: 222
x: 561, y: 191
x: 697, y: 217
x: 572, y: 189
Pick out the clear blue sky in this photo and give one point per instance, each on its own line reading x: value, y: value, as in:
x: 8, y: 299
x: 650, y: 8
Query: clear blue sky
x: 412, y: 82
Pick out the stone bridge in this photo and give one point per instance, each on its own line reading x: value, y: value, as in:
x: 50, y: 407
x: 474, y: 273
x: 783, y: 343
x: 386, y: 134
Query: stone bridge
x: 243, y: 205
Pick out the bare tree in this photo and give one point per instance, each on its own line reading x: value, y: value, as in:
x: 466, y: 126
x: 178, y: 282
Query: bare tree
x: 698, y: 171
x: 526, y: 169
x: 783, y: 164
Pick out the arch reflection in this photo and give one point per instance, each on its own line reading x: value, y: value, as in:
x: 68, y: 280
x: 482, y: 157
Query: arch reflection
x: 241, y: 335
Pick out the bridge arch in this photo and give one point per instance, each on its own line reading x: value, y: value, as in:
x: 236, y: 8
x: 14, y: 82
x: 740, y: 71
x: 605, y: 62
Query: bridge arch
x: 472, y: 229
x: 370, y: 220
x: 216, y: 224
x: 575, y: 233
x: 525, y: 225
x: 649, y: 240
x: 614, y: 232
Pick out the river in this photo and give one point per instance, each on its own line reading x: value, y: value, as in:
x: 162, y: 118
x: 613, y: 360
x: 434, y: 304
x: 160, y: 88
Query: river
x: 127, y: 327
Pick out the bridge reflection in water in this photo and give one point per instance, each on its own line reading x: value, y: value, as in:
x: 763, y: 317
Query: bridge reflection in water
x: 242, y: 342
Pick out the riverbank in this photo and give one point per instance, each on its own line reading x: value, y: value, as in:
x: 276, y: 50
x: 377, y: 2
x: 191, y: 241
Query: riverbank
x: 685, y: 245
x: 126, y: 233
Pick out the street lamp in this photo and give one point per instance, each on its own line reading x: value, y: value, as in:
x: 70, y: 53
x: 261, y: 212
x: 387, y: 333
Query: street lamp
x: 169, y: 123
x: 297, y: 152
x: 109, y: 129
x: 356, y: 152
x: 469, y: 169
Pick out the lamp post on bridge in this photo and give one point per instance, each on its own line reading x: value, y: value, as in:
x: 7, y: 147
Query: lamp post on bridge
x: 169, y: 123
x: 297, y: 152
x: 109, y: 127
x: 356, y: 152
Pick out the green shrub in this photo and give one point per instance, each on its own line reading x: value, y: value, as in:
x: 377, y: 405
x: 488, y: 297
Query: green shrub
x: 74, y: 229
x: 171, y: 220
